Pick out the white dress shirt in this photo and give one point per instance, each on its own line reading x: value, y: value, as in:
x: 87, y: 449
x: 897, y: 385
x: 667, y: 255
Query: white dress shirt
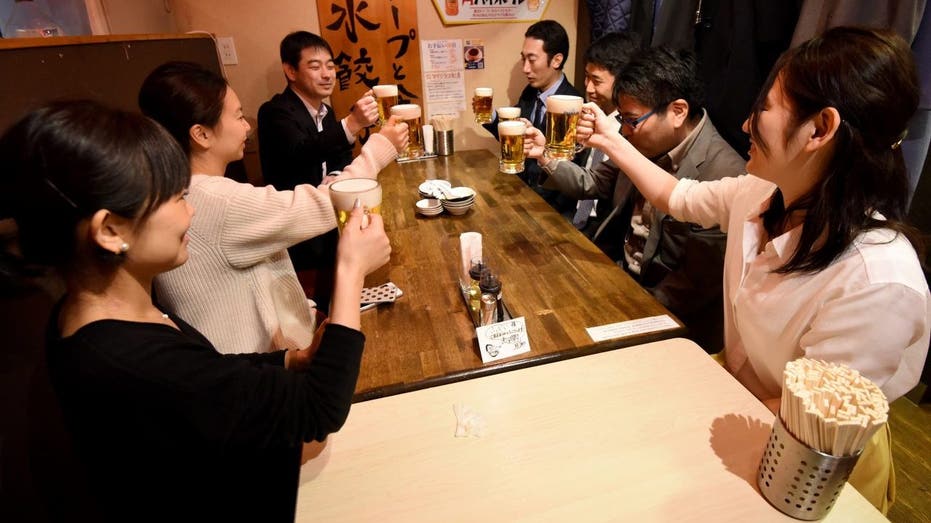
x: 868, y: 310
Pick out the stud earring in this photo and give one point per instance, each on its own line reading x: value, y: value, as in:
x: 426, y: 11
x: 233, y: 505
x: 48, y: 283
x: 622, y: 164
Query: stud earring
x: 124, y: 247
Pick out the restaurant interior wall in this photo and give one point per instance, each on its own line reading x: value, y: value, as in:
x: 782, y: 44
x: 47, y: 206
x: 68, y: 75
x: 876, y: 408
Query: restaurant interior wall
x: 257, y: 29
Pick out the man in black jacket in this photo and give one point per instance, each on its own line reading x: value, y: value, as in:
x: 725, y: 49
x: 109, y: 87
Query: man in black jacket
x: 301, y: 140
x: 544, y: 54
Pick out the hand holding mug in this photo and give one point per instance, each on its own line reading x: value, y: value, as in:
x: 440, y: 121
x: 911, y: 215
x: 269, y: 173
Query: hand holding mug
x: 362, y: 247
x: 596, y: 129
x: 396, y: 131
x: 534, y: 141
x: 363, y: 113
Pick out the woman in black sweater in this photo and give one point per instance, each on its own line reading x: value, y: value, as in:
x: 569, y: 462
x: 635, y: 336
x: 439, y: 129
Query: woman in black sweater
x: 167, y: 428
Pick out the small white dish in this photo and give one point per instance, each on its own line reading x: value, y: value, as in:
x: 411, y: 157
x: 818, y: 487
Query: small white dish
x: 429, y: 207
x: 434, y: 188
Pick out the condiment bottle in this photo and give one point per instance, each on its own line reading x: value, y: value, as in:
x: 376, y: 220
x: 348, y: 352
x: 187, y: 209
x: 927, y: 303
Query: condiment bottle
x: 490, y: 287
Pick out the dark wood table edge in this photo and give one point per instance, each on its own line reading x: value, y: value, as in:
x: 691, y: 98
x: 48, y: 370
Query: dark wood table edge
x: 520, y: 362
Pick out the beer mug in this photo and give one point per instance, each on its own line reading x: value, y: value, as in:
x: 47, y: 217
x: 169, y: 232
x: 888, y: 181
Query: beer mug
x: 482, y: 104
x: 387, y: 97
x: 508, y: 113
x: 410, y: 114
x: 344, y: 193
x: 511, y: 135
x: 562, y: 117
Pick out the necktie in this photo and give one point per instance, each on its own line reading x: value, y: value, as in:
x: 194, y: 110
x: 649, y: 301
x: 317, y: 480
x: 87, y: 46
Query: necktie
x: 538, y: 115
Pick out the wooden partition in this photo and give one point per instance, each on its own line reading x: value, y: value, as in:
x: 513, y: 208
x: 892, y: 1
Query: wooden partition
x: 106, y: 68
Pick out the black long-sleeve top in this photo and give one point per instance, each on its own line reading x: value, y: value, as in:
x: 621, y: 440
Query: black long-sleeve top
x: 164, y: 422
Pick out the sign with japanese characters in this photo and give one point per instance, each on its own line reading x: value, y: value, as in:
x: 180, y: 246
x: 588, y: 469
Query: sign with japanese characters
x: 373, y: 43
x: 444, y: 85
x: 475, y: 11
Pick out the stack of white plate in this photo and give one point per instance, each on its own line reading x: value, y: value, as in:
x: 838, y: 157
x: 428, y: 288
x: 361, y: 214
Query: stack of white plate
x: 434, y: 188
x: 458, y: 200
x: 429, y: 207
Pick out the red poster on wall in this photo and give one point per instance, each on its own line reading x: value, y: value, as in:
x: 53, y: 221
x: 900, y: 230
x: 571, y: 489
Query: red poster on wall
x: 374, y: 42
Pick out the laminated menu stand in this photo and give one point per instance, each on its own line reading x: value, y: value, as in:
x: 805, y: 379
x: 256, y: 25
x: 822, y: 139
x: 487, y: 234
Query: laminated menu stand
x: 800, y: 481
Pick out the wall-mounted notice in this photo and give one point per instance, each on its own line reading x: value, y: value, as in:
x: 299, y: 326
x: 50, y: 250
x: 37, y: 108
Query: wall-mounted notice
x: 474, y: 55
x: 443, y: 83
x: 483, y: 11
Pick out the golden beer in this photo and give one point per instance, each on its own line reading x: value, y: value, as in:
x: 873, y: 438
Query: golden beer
x: 511, y: 135
x: 387, y: 97
x: 506, y: 114
x: 411, y: 114
x: 344, y: 193
x: 482, y: 104
x: 562, y: 117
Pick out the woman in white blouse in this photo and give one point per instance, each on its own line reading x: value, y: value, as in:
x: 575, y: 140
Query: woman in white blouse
x: 818, y: 262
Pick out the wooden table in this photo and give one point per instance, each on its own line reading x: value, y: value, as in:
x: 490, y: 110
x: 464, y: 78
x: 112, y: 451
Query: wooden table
x: 657, y: 432
x: 551, y: 275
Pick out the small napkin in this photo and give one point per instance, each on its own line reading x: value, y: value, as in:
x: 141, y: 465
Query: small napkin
x: 468, y: 422
x: 385, y: 293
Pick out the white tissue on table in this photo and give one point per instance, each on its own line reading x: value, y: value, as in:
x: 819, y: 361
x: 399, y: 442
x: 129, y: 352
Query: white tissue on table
x: 468, y: 422
x: 470, y: 246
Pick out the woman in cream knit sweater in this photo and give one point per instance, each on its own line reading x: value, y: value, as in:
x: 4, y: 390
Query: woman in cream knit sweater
x: 239, y: 287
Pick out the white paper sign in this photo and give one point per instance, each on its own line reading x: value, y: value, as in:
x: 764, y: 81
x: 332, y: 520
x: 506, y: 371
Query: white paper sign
x: 443, y: 81
x: 503, y: 339
x: 629, y: 328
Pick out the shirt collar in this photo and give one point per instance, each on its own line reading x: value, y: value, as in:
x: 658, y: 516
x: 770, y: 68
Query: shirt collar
x: 552, y: 90
x: 315, y: 114
x: 679, y: 152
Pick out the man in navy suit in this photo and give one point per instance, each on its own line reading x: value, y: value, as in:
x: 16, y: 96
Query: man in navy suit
x: 300, y: 141
x: 544, y: 54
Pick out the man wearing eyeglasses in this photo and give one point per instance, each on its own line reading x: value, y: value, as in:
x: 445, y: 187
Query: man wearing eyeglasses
x: 658, y: 97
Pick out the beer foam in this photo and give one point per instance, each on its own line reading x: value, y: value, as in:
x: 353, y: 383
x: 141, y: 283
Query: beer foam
x: 384, y: 91
x: 483, y: 91
x: 343, y: 193
x: 406, y: 111
x: 511, y: 128
x: 509, y: 112
x: 562, y: 104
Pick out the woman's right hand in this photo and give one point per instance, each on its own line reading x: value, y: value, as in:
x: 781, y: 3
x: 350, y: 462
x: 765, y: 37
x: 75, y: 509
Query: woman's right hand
x: 363, y: 245
x: 395, y: 130
x: 595, y: 128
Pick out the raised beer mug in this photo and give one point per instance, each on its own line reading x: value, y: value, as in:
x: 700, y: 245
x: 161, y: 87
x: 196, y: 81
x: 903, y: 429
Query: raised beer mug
x: 344, y: 193
x: 562, y: 118
x: 511, y: 135
x: 506, y: 114
x: 411, y: 114
x: 482, y: 104
x: 387, y: 97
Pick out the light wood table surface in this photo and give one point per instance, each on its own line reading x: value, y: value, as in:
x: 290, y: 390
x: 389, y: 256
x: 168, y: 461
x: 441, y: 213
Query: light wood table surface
x: 658, y: 432
x: 551, y: 275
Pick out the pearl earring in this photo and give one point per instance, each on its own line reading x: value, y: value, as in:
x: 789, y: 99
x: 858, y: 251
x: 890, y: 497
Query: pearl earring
x: 124, y: 247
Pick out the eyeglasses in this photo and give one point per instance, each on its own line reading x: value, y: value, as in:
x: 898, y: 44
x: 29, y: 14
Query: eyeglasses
x: 633, y: 122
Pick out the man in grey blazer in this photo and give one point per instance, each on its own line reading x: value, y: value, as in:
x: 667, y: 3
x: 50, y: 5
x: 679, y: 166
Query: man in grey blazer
x: 658, y: 97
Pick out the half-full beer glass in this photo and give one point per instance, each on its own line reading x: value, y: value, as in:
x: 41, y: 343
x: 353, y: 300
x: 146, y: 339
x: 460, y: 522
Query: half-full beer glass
x: 411, y: 114
x: 344, y: 193
x: 387, y: 97
x: 508, y: 113
x: 482, y: 104
x: 562, y: 117
x: 511, y: 135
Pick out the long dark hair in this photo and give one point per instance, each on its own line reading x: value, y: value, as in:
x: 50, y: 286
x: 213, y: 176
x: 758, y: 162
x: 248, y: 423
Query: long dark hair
x: 870, y: 77
x: 179, y: 95
x: 65, y: 161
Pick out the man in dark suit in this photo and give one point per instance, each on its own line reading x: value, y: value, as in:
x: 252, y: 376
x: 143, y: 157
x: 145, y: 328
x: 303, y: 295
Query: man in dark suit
x: 544, y: 54
x: 300, y: 141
